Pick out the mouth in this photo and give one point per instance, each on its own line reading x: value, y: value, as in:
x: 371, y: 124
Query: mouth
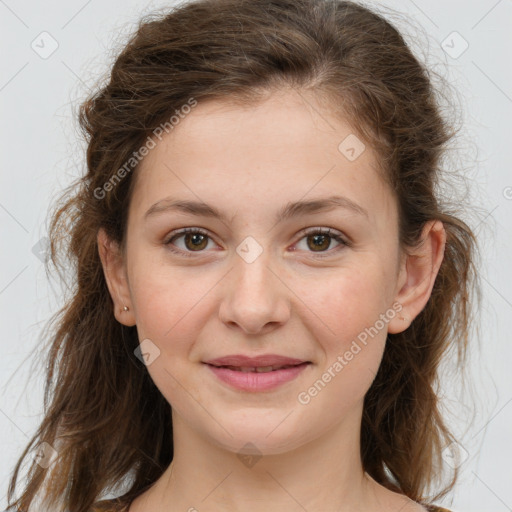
x: 257, y: 378
x: 259, y: 369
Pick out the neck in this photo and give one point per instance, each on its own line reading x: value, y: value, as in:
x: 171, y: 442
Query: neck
x: 324, y: 474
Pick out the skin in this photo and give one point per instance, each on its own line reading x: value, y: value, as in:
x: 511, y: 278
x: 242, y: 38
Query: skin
x: 249, y: 162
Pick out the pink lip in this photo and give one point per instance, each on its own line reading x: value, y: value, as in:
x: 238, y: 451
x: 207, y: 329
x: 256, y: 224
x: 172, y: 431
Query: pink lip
x: 254, y: 381
x: 257, y: 381
x: 246, y: 361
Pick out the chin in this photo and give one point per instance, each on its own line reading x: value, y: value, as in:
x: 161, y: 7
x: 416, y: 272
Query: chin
x: 262, y: 438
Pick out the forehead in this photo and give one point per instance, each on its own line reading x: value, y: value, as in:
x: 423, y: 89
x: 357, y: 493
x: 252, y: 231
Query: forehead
x: 251, y: 157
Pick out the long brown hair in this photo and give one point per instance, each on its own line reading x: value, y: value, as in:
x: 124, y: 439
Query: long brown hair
x: 103, y: 415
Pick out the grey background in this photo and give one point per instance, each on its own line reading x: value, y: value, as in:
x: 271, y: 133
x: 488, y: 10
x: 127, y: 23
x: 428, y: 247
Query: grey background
x: 42, y: 152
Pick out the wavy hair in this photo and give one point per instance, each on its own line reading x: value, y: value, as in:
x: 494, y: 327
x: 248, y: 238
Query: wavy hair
x: 102, y: 412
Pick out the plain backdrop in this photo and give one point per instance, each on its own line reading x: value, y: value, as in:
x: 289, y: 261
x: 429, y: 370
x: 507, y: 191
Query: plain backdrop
x: 53, y: 52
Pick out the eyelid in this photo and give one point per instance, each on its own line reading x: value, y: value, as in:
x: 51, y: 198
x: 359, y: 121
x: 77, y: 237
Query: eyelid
x: 325, y: 231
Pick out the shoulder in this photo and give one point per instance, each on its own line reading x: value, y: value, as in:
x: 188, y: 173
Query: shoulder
x: 115, y: 505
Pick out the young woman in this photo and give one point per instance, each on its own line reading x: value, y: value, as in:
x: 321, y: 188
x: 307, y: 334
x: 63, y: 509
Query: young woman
x: 266, y: 277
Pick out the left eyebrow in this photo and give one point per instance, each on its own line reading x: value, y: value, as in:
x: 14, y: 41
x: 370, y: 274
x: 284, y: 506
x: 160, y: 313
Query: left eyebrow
x: 290, y: 210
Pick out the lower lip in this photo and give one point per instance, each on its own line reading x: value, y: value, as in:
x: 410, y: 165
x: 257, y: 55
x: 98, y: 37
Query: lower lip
x: 253, y: 381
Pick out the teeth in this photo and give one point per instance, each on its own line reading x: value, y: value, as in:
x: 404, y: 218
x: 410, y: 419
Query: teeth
x: 264, y: 369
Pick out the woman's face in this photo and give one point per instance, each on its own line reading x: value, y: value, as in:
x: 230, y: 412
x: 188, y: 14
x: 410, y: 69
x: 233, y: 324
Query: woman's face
x: 253, y: 282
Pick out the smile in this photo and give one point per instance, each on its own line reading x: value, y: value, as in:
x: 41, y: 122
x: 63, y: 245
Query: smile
x: 257, y: 378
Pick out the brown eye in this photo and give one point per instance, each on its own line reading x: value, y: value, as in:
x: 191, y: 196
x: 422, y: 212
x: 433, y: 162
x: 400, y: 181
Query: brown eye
x: 320, y: 240
x: 194, y: 240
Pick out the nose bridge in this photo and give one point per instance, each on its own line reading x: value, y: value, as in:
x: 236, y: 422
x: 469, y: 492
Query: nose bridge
x: 253, y: 257
x: 253, y: 275
x: 254, y: 296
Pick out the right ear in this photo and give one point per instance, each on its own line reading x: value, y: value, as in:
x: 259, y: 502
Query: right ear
x: 114, y: 270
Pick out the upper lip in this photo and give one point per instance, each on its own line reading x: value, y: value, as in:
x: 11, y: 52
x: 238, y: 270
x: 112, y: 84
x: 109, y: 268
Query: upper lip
x: 253, y: 362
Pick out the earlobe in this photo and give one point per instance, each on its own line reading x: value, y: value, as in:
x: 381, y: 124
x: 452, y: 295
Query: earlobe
x: 418, y: 274
x: 115, y: 277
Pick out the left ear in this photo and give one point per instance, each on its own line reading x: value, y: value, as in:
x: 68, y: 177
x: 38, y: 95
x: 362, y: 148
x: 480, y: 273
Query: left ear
x: 417, y: 275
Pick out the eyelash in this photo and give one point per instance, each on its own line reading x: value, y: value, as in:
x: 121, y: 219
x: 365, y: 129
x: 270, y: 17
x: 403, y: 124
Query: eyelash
x: 311, y: 231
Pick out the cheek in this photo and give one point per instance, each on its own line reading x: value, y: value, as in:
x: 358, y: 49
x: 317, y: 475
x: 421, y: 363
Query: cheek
x: 352, y: 334
x: 349, y: 301
x: 169, y: 311
x: 167, y: 299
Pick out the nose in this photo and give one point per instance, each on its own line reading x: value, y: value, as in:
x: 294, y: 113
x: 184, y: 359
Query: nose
x: 255, y: 298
